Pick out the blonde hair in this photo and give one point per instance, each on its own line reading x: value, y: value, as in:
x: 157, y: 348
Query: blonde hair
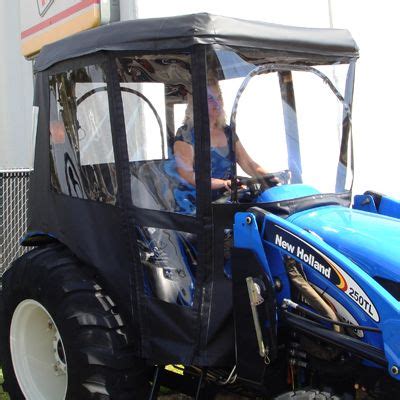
x: 221, y: 119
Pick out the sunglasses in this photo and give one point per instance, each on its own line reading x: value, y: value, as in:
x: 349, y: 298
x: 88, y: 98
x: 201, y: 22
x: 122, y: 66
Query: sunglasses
x: 213, y: 101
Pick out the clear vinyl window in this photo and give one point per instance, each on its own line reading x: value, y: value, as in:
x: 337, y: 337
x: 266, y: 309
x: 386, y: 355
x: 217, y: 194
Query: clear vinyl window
x: 81, y: 150
x: 169, y: 262
x: 276, y: 123
x: 157, y: 105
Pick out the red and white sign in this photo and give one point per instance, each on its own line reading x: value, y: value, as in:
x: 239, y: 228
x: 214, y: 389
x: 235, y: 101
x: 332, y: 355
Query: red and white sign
x: 43, y: 6
x: 46, y: 21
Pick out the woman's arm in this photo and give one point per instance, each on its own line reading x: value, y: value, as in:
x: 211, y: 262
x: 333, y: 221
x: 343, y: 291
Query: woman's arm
x: 247, y: 163
x: 184, y: 156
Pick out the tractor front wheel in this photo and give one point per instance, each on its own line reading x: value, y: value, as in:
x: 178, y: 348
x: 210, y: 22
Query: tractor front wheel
x: 308, y: 394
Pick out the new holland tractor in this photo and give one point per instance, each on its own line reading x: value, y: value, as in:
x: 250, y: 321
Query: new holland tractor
x: 193, y: 222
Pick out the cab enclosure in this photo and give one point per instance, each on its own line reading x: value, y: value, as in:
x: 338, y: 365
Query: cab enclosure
x: 115, y: 106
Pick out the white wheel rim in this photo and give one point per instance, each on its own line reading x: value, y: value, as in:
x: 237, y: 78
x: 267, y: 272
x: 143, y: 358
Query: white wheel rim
x: 37, y: 353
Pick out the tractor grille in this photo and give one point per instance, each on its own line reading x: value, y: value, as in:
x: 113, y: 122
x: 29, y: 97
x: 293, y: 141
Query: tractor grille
x: 392, y: 287
x: 13, y: 215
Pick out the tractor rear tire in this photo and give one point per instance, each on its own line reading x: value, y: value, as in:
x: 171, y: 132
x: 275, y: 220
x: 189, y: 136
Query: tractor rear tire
x: 61, y: 336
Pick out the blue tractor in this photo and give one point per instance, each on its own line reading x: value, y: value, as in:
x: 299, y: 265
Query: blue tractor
x: 193, y: 221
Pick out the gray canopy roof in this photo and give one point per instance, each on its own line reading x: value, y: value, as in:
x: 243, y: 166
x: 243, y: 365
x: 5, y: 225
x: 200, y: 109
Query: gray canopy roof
x: 181, y: 32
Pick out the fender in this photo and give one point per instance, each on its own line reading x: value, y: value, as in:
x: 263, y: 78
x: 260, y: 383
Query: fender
x: 38, y: 239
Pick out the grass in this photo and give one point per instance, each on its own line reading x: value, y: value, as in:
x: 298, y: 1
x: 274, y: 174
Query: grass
x: 3, y: 396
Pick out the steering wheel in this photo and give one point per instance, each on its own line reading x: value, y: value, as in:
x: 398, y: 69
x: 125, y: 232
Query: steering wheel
x: 248, y: 188
x: 258, y: 184
x: 243, y: 194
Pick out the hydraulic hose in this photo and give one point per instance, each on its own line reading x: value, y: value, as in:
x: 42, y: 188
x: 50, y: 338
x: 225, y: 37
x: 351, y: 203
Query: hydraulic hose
x: 288, y: 303
x: 311, y: 295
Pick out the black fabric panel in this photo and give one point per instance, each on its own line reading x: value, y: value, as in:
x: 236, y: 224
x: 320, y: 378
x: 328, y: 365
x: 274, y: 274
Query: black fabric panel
x: 97, y: 239
x: 177, y: 33
x: 203, y: 196
x: 168, y: 333
x: 92, y: 230
x: 41, y: 167
x: 218, y: 343
x: 120, y: 145
x: 201, y: 133
x: 91, y: 59
x: 170, y: 330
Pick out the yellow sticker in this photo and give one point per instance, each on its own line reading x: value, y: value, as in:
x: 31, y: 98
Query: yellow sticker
x: 176, y: 369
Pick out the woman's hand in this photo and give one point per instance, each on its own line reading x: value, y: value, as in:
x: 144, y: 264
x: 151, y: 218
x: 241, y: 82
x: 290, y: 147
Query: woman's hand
x: 228, y: 185
x: 217, y: 183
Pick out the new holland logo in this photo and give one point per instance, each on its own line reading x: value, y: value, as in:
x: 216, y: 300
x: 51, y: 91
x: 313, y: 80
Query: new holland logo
x: 43, y: 6
x: 321, y: 263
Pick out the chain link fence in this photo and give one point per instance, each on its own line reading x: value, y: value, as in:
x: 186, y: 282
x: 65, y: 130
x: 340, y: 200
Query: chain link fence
x: 13, y: 215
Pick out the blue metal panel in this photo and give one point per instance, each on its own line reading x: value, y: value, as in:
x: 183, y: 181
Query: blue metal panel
x: 286, y: 192
x: 370, y: 240
x: 330, y: 269
x: 247, y: 236
x: 365, y: 202
x: 387, y: 205
x: 390, y: 207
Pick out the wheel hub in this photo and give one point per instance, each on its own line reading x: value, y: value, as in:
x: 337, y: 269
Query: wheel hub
x: 60, y: 366
x: 37, y: 352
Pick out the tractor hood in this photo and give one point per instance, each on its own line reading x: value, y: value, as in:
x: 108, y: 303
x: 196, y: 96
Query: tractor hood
x: 370, y: 240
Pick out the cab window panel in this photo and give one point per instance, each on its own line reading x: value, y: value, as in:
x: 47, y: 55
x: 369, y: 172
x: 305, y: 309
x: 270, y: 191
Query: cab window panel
x: 247, y: 116
x: 144, y: 113
x: 82, y: 157
x: 57, y: 141
x: 156, y: 99
x: 320, y: 122
x: 260, y: 124
x: 179, y: 115
x: 337, y: 73
x: 288, y: 120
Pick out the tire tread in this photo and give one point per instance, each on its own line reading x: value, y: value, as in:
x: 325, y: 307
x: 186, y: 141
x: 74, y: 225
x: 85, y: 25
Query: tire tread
x: 307, y: 394
x: 53, y: 275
